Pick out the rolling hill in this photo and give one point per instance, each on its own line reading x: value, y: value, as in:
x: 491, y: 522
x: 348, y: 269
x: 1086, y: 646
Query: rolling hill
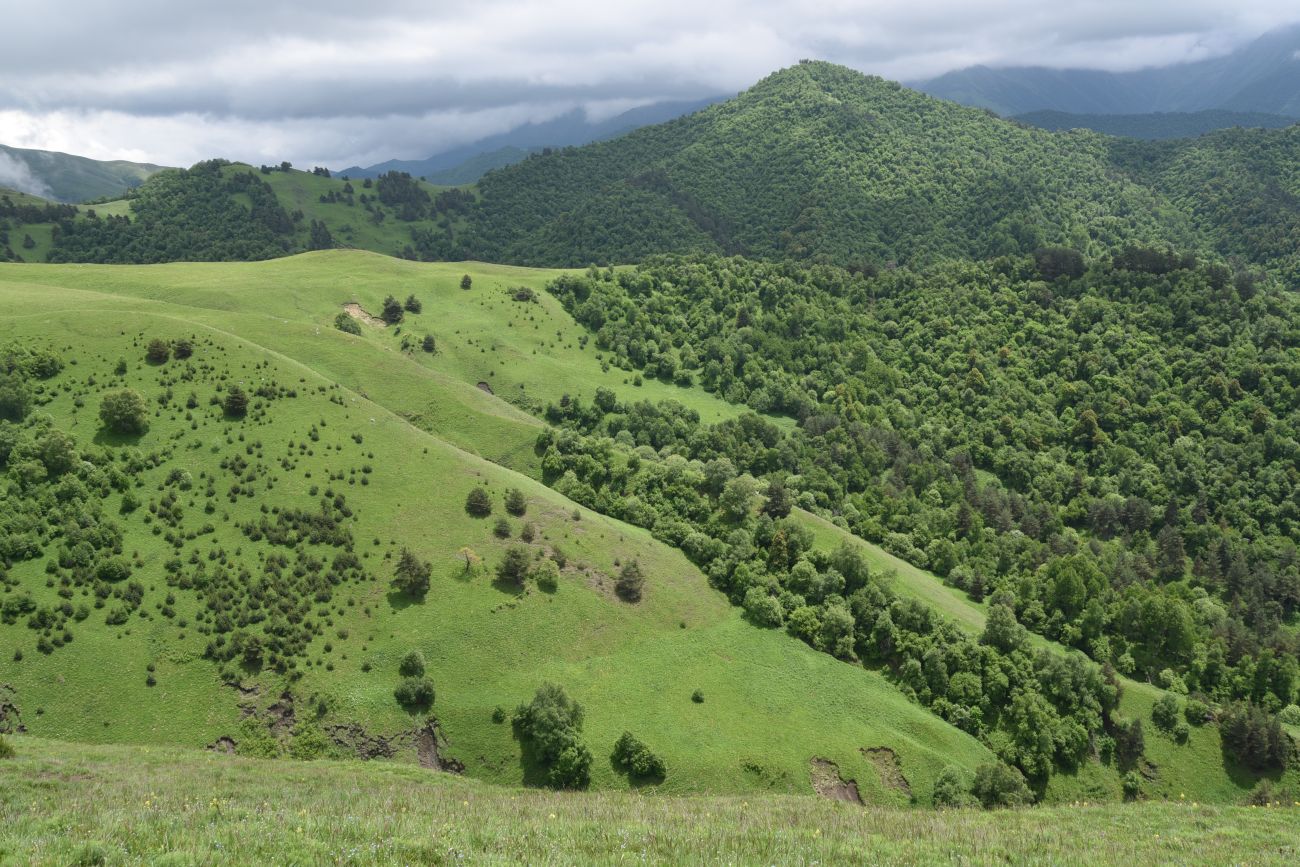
x: 1261, y: 76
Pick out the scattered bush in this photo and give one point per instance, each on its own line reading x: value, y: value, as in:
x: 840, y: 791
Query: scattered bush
x: 1268, y: 793
x: 1165, y: 712
x: 412, y: 665
x: 630, y: 582
x: 501, y: 529
x: 478, y: 504
x: 158, y: 351
x: 516, y: 504
x: 513, y: 568
x: 414, y: 693
x: 762, y: 608
x: 952, y: 789
x: 1197, y: 712
x: 498, y: 715
x: 546, y: 575
x: 552, y: 724
x: 182, y: 349
x: 428, y: 344
x: 1130, y: 742
x: 392, y: 312
x: 1000, y: 785
x: 466, y: 282
x: 413, y: 304
x: 698, y: 696
x: 1132, y: 785
x: 636, y: 758
x: 344, y: 322
x: 124, y: 411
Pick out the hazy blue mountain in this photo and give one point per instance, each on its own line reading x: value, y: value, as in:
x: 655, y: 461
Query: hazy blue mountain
x: 1262, y: 76
x: 469, y: 162
x: 1156, y: 125
x: 68, y: 178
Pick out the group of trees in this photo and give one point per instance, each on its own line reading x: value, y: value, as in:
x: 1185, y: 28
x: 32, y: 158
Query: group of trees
x: 184, y: 215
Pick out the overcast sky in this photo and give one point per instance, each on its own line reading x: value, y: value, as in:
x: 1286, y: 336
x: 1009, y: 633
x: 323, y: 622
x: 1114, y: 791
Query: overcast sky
x: 337, y: 82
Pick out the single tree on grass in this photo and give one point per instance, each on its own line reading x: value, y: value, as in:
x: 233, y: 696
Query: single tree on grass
x: 630, y: 582
x: 124, y: 411
x: 478, y: 503
x: 412, y: 575
x: 158, y: 352
x: 236, y: 403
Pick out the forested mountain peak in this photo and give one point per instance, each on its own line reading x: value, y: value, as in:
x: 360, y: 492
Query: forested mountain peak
x: 815, y: 161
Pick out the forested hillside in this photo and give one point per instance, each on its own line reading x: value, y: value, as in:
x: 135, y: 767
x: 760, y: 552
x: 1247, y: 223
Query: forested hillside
x: 1106, y: 453
x: 816, y: 162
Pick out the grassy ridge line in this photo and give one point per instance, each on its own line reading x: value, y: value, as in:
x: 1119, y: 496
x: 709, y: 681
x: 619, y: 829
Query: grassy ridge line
x: 62, y: 803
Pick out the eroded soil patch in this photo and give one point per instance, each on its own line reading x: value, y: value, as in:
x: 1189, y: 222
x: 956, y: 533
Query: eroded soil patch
x: 889, y: 769
x: 827, y: 782
x: 357, y: 312
x: 428, y: 749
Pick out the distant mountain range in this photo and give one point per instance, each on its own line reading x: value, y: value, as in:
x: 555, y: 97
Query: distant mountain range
x: 466, y: 164
x: 1157, y: 125
x: 67, y: 178
x: 1262, y: 76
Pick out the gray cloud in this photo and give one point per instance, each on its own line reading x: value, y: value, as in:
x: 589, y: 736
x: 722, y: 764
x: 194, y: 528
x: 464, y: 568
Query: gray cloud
x: 336, y: 81
x: 15, y: 175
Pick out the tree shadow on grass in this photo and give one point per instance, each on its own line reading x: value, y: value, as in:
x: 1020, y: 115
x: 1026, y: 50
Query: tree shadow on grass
x: 530, y: 764
x: 508, y: 587
x: 116, y: 439
x: 399, y: 601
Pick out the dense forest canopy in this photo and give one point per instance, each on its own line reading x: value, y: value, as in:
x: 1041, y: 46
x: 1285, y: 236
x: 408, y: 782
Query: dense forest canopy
x: 1109, y: 452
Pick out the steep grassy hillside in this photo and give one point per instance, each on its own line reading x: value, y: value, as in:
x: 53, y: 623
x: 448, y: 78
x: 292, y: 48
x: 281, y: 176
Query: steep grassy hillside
x: 203, y: 497
x: 63, y: 804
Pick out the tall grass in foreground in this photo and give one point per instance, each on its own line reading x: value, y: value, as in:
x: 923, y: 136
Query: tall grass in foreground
x: 63, y: 803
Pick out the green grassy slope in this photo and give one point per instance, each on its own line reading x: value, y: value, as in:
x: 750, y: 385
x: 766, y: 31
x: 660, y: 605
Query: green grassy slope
x: 61, y: 804
x: 771, y: 703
